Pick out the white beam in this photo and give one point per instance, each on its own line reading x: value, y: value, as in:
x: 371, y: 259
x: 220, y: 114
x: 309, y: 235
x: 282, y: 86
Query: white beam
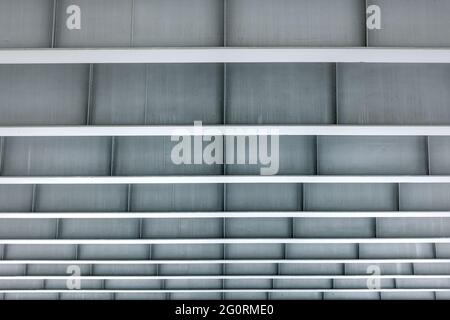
x: 227, y: 55
x: 226, y: 241
x: 230, y: 277
x: 225, y: 214
x: 75, y: 291
x: 233, y: 130
x: 169, y: 179
x: 226, y: 261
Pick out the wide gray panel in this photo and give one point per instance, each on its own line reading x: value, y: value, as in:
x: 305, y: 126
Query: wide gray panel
x: 56, y: 156
x: 396, y: 251
x: 27, y: 229
x: 25, y: 23
x: 178, y: 23
x: 295, y: 23
x: 43, y: 94
x: 258, y: 228
x: 27, y: 251
x: 99, y: 229
x: 352, y: 197
x: 425, y: 197
x: 196, y: 251
x: 119, y: 94
x: 152, y: 156
x: 104, y: 23
x: 293, y: 155
x: 182, y: 228
x: 372, y: 155
x: 320, y: 251
x: 413, y: 23
x: 81, y: 198
x: 439, y: 153
x: 265, y: 197
x: 15, y: 198
x: 184, y: 93
x: 177, y: 197
x: 393, y: 93
x: 113, y: 252
x: 413, y: 227
x: 334, y: 228
x: 283, y: 93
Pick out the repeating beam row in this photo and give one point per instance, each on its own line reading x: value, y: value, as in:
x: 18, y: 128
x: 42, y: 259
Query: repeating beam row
x: 231, y: 130
x: 227, y: 241
x: 227, y: 261
x: 225, y: 55
x: 231, y: 277
x: 225, y: 214
x: 75, y: 291
x: 211, y: 179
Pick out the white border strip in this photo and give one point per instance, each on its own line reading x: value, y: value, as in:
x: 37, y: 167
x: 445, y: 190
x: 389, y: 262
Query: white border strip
x: 283, y: 130
x: 232, y: 261
x: 226, y: 241
x: 224, y: 214
x: 223, y: 179
x: 224, y: 55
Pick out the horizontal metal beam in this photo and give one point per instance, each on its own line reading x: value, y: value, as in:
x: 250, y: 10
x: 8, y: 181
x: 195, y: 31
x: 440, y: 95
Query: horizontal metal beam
x: 231, y: 277
x: 172, y: 179
x: 224, y: 55
x: 226, y: 261
x: 222, y: 290
x: 226, y: 241
x: 225, y: 214
x: 226, y: 130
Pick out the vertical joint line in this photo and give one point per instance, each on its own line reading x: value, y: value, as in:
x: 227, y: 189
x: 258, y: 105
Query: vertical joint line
x: 53, y: 35
x: 2, y: 147
x: 90, y: 89
x: 398, y: 197
x: 112, y: 156
x: 336, y: 93
x: 224, y: 23
x: 428, y: 155
x: 366, y: 30
x: 146, y: 95
x: 132, y: 24
x: 33, y: 198
x: 317, y: 156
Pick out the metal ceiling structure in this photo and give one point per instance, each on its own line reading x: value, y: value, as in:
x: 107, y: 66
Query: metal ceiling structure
x: 87, y: 179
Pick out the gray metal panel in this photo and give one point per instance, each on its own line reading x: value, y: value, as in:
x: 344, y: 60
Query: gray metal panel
x: 104, y: 23
x: 22, y: 252
x: 81, y: 198
x: 296, y: 155
x: 198, y: 251
x: 113, y: 252
x: 353, y: 197
x: 320, y: 251
x: 413, y: 227
x: 182, y: 228
x: 43, y: 94
x: 53, y: 156
x: 152, y: 156
x: 184, y: 93
x: 295, y: 23
x: 393, y: 93
x: 262, y: 228
x: 265, y: 197
x: 372, y: 155
x: 413, y: 23
x: 283, y: 93
x: 28, y: 229
x: 25, y: 23
x: 15, y: 198
x: 424, y: 197
x: 119, y: 94
x: 99, y: 229
x: 178, y: 23
x: 396, y: 251
x: 439, y: 151
x: 334, y: 228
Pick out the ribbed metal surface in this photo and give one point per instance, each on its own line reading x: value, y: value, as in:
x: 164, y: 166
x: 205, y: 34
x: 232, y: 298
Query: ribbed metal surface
x: 111, y: 201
